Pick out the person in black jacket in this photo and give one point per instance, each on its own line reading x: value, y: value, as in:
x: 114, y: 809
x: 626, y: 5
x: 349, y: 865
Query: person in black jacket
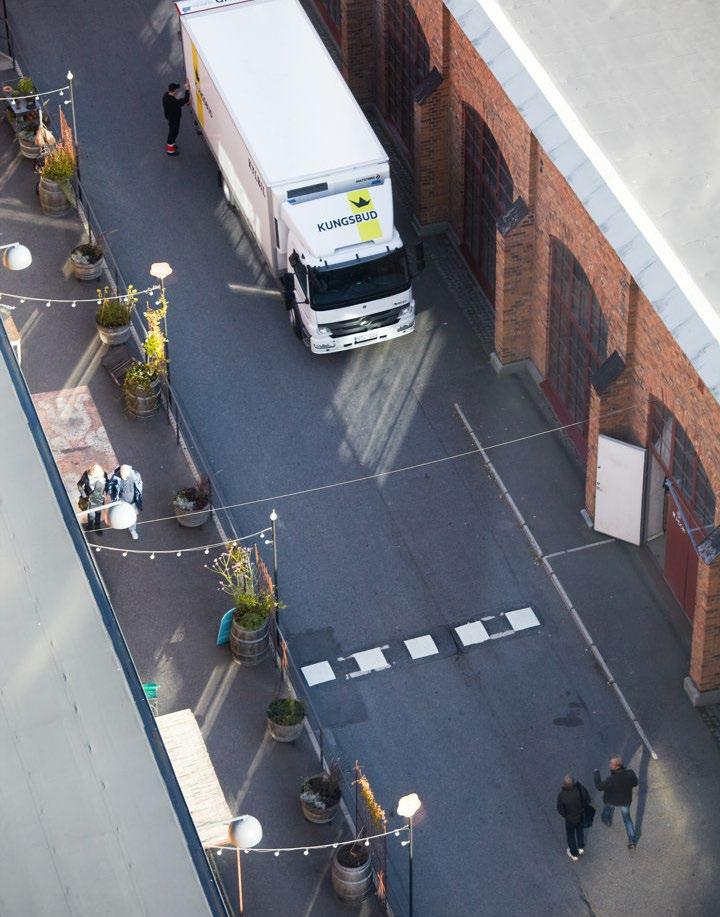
x: 571, y: 802
x: 617, y: 791
x: 172, y: 108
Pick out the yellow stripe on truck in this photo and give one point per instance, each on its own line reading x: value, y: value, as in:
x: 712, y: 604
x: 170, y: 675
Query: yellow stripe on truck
x: 198, y: 96
x: 362, y: 202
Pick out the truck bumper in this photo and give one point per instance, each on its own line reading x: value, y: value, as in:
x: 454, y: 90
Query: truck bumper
x: 324, y: 344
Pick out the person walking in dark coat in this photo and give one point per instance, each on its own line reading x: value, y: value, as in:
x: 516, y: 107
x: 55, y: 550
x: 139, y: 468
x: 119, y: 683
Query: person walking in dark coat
x: 617, y: 792
x: 172, y: 108
x: 126, y: 484
x: 92, y: 486
x: 571, y: 802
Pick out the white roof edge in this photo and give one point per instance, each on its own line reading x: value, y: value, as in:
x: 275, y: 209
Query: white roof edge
x: 657, y: 270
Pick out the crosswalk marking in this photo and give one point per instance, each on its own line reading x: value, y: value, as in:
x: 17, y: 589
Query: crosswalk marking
x: 318, y: 672
x: 420, y: 647
x: 522, y: 619
x: 470, y: 634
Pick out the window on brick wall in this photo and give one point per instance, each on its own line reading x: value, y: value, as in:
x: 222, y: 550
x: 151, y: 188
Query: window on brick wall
x: 577, y: 339
x: 673, y: 449
x: 488, y: 194
x: 332, y: 14
x: 407, y: 64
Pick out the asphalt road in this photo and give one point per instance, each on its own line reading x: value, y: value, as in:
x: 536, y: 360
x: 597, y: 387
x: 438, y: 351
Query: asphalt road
x: 485, y: 736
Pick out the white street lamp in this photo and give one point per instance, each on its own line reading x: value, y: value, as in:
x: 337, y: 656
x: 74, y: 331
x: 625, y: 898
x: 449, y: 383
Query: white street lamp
x: 407, y: 808
x: 121, y: 515
x: 17, y: 257
x: 161, y: 270
x: 244, y: 832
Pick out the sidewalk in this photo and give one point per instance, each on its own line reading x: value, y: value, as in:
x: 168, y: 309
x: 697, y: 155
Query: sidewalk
x: 169, y: 607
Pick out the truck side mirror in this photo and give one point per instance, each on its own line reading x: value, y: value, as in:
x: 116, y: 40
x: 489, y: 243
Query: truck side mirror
x: 419, y: 257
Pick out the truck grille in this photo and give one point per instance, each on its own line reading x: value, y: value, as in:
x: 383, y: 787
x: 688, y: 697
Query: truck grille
x: 364, y: 323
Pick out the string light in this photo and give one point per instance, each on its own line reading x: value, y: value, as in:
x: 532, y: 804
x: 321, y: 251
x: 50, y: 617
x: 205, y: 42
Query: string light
x: 205, y: 548
x: 276, y: 851
x: 120, y: 297
x: 36, y: 95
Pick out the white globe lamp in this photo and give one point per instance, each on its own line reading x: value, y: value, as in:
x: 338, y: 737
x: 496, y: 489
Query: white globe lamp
x: 17, y: 257
x: 122, y: 516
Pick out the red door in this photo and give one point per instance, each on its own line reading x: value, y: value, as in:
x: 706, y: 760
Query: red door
x: 681, y: 561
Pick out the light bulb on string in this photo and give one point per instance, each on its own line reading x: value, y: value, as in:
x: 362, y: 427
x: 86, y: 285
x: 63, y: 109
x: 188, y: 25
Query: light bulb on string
x: 179, y: 554
x: 152, y: 556
x: 277, y: 853
x: 367, y: 843
x: 219, y: 851
x: 306, y: 852
x: 124, y: 554
x: 22, y: 301
x: 207, y: 551
x: 47, y: 304
x: 97, y: 550
x: 74, y: 304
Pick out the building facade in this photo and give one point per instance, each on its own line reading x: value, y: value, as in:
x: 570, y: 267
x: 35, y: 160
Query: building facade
x: 563, y: 298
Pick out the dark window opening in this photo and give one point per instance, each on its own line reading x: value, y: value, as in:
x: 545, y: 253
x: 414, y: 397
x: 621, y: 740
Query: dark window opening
x: 577, y: 340
x: 341, y: 285
x: 488, y: 195
x: 407, y: 65
x: 676, y: 454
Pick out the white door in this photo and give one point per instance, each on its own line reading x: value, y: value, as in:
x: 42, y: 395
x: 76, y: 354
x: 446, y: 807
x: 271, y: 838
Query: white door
x: 619, y: 489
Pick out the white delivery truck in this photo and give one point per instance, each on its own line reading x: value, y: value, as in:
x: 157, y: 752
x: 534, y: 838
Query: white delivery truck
x: 300, y: 162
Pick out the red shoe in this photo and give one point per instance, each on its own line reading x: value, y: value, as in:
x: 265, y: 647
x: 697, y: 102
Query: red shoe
x: 171, y: 149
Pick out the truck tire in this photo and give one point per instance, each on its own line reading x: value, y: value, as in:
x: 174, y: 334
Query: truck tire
x: 295, y: 322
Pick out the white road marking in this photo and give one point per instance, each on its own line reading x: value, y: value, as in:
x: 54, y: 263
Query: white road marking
x: 582, y: 547
x: 317, y: 673
x: 472, y: 633
x: 368, y: 661
x: 420, y: 647
x: 522, y: 619
x: 537, y: 550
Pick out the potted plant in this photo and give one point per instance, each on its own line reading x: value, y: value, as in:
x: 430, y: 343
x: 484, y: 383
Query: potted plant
x: 351, y: 872
x: 285, y: 717
x: 245, y: 578
x: 192, y: 505
x: 114, y: 315
x: 87, y: 260
x: 56, y: 174
x: 320, y: 795
x: 141, y: 385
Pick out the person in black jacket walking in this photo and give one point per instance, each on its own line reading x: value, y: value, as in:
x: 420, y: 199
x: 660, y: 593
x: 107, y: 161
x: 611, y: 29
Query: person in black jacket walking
x: 571, y: 802
x: 172, y: 108
x: 617, y: 791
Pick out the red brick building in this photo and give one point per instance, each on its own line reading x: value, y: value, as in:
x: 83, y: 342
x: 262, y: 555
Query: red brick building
x: 568, y: 149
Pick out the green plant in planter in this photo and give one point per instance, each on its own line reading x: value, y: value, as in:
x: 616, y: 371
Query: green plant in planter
x: 286, y: 711
x: 245, y: 578
x: 59, y: 165
x: 139, y: 378
x: 24, y: 87
x: 113, y: 312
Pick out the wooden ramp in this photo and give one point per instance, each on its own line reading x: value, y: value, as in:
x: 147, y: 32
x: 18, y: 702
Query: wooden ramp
x: 196, y: 775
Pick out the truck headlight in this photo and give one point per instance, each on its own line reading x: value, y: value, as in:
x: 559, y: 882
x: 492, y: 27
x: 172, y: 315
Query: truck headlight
x: 323, y: 339
x: 406, y: 316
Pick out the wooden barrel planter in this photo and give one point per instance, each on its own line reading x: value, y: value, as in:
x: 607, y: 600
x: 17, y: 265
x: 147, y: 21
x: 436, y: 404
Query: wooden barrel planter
x: 85, y: 270
x: 53, y: 199
x: 113, y: 336
x: 141, y: 402
x: 318, y: 805
x: 351, y: 872
x: 28, y: 148
x: 249, y: 647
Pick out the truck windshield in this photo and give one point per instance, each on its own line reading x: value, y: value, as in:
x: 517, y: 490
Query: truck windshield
x: 358, y: 281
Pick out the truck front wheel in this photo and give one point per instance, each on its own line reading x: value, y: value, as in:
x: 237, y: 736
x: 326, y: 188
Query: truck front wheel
x: 295, y: 322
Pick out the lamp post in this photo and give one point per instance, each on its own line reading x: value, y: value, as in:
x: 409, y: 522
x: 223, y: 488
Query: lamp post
x: 273, y: 523
x: 70, y: 77
x: 244, y: 832
x: 16, y: 257
x: 160, y: 270
x: 406, y: 808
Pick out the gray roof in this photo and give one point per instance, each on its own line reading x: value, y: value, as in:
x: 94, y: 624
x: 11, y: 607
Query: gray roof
x: 87, y: 822
x: 623, y: 96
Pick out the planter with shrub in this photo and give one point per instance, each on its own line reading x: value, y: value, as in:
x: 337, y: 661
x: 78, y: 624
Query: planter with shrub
x: 285, y: 717
x: 192, y: 505
x: 351, y: 872
x: 114, y: 315
x: 320, y: 797
x: 87, y: 261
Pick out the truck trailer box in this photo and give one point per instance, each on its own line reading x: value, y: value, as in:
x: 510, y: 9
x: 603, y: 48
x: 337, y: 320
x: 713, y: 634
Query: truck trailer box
x: 300, y: 162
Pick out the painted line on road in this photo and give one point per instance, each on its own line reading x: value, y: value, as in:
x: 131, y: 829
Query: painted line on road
x: 470, y: 634
x: 556, y: 583
x: 582, y: 547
